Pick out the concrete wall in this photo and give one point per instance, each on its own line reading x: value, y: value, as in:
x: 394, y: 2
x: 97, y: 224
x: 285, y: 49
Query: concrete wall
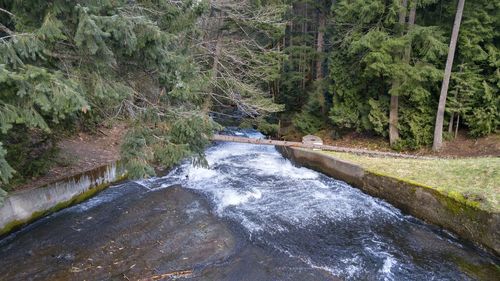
x: 471, y: 223
x: 22, y: 207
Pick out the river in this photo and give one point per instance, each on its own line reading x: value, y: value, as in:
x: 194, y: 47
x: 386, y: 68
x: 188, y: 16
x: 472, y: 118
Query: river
x: 250, y: 215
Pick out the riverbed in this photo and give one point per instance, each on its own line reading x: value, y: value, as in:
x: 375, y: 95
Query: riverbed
x: 249, y: 215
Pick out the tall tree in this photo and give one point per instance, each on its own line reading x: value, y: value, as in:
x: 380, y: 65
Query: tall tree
x: 305, y: 69
x: 438, y: 130
x: 320, y: 43
x: 394, y: 104
x: 62, y: 61
x: 371, y: 53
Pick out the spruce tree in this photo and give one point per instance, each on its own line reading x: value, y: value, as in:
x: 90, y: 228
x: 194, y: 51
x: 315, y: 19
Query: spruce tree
x: 62, y: 59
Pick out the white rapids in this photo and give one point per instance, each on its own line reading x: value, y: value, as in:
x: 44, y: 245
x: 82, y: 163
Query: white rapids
x: 325, y: 223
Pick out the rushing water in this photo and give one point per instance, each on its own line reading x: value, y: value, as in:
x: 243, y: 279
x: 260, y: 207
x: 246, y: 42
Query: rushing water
x: 321, y: 221
x: 304, y: 221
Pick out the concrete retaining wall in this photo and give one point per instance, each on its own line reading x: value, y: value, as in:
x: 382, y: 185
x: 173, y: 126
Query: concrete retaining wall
x: 22, y: 207
x: 469, y: 222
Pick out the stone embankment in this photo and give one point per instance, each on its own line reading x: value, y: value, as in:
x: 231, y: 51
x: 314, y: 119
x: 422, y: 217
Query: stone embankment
x: 24, y: 206
x: 469, y: 222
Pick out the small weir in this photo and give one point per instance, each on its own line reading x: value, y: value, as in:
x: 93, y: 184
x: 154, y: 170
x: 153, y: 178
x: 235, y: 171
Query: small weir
x: 250, y: 215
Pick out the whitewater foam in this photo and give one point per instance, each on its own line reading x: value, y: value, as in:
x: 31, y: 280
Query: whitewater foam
x: 344, y: 231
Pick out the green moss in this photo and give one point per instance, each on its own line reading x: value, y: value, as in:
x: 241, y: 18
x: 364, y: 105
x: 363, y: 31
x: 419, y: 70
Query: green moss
x: 479, y: 271
x: 411, y: 182
x: 11, y: 226
x: 471, y: 181
x: 453, y: 201
x: 451, y: 205
x: 460, y: 198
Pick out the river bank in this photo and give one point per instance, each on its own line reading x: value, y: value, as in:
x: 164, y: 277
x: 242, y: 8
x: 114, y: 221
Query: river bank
x: 84, y: 164
x: 455, y: 213
x: 25, y: 206
x: 265, y: 218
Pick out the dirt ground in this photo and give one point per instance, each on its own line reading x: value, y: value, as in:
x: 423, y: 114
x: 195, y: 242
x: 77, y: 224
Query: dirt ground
x: 82, y: 152
x: 462, y: 146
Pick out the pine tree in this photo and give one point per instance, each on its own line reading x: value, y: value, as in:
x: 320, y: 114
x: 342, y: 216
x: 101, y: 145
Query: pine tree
x: 62, y: 59
x: 304, y: 88
x: 373, y: 62
x: 138, y: 60
x: 476, y: 76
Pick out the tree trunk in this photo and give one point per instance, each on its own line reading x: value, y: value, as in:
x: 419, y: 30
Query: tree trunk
x: 452, y: 117
x: 450, y: 124
x: 411, y: 24
x: 394, y: 105
x: 438, y: 130
x: 218, y: 34
x: 320, y: 45
x: 393, y: 120
x: 402, y: 13
x: 304, y: 42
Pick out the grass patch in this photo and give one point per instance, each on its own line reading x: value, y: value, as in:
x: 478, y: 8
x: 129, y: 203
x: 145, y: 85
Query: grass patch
x: 474, y: 179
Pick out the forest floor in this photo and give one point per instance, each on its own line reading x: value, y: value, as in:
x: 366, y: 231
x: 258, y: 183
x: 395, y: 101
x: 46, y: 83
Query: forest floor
x: 81, y: 152
x: 460, y: 147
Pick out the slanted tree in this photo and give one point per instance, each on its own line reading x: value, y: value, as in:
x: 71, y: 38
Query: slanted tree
x: 438, y: 130
x: 138, y: 60
x: 36, y: 92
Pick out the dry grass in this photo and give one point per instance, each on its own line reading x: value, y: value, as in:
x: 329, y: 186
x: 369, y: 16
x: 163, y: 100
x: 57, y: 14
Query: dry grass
x: 476, y: 179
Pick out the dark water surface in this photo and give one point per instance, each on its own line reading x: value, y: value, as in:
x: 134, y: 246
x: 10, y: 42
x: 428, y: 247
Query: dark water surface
x: 251, y: 215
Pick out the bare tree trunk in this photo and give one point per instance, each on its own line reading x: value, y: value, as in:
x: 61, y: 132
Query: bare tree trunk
x: 452, y: 117
x: 303, y: 55
x: 218, y: 22
x: 276, y: 83
x: 402, y: 13
x: 456, y: 126
x: 394, y: 105
x: 393, y: 120
x: 320, y: 45
x: 411, y: 24
x: 438, y: 130
x: 450, y: 124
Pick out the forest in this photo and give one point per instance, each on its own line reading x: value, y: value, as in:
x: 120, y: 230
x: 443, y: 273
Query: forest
x: 176, y: 71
